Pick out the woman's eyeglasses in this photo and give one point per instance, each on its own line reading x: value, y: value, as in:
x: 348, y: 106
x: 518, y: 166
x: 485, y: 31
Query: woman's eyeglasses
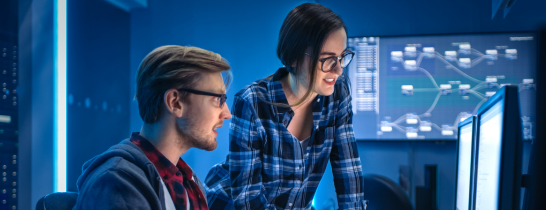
x: 329, y: 63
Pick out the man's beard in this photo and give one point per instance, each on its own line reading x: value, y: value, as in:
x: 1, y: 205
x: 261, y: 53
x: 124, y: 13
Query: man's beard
x: 195, y: 136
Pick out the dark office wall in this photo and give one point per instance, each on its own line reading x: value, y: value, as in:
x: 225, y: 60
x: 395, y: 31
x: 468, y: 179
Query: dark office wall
x: 98, y: 69
x: 245, y: 32
x: 25, y: 105
x: 39, y: 92
x: 400, y: 17
x: 97, y: 81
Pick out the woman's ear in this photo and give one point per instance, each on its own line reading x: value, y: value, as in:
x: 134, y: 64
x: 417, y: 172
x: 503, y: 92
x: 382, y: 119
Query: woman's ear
x: 172, y: 102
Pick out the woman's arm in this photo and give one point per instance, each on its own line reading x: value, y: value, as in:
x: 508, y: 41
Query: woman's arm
x: 245, y: 158
x: 345, y: 161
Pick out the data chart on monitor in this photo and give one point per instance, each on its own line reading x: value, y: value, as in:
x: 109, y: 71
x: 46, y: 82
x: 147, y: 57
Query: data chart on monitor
x: 421, y: 87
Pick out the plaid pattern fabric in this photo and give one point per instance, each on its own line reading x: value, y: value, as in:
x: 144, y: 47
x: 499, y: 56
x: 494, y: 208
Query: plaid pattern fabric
x: 267, y: 168
x: 178, y: 179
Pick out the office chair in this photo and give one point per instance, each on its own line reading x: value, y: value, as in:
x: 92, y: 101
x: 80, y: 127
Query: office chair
x: 58, y: 201
x: 383, y: 193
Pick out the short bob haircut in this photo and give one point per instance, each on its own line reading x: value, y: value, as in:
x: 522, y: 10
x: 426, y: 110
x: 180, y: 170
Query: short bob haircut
x: 173, y: 67
x: 306, y: 27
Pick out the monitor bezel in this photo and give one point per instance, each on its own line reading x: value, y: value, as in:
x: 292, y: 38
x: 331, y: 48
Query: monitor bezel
x: 472, y: 121
x: 511, y: 148
x: 534, y: 32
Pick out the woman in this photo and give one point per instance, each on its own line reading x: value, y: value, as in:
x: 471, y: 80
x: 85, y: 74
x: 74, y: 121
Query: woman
x: 286, y: 127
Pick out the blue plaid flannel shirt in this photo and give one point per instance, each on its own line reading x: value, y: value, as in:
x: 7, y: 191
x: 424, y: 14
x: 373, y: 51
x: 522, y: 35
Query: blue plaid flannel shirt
x: 267, y: 168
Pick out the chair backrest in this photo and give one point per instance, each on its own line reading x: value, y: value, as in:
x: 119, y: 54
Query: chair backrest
x: 383, y: 193
x: 58, y: 201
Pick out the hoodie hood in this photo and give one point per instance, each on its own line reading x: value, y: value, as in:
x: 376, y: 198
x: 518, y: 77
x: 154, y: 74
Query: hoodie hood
x: 125, y: 150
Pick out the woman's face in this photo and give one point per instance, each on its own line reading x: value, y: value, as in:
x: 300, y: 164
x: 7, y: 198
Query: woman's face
x: 334, y: 46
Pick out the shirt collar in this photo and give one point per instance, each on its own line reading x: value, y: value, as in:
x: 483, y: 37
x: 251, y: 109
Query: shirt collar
x: 161, y: 163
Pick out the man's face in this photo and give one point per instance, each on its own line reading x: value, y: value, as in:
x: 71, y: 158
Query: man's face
x: 202, y: 114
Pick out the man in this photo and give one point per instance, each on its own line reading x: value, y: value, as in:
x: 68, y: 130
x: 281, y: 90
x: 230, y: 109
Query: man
x: 181, y: 99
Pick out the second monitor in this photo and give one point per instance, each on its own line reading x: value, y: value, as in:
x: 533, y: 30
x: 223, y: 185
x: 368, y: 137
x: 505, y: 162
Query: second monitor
x: 465, y: 155
x: 499, y: 152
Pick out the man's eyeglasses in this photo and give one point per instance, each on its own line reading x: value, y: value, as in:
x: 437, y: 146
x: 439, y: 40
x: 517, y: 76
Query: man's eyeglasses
x: 222, y: 97
x: 329, y: 63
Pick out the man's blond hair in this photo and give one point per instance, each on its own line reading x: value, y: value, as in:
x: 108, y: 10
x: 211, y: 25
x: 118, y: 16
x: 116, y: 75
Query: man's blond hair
x: 173, y: 67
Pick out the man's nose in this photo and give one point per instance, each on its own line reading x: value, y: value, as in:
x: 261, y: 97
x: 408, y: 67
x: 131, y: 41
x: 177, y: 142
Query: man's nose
x: 226, y: 114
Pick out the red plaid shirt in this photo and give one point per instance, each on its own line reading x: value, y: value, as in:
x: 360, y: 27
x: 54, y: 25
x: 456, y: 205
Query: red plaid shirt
x: 178, y: 179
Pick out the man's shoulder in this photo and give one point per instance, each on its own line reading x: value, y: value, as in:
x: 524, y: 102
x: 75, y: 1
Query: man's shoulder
x: 118, y: 168
x: 119, y: 164
x: 117, y: 183
x: 122, y: 161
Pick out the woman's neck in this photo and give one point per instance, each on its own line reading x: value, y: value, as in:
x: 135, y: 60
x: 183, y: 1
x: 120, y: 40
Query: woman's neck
x: 295, y: 89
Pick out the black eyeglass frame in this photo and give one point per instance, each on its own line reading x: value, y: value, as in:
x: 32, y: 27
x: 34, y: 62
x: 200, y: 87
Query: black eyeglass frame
x: 222, y: 97
x: 337, y: 59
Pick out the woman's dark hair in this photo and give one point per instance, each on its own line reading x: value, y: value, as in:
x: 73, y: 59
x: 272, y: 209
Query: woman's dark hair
x: 306, y: 27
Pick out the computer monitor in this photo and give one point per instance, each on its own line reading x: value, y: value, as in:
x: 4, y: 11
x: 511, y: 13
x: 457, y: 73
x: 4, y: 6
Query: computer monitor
x: 498, y: 152
x: 421, y: 87
x: 465, y: 153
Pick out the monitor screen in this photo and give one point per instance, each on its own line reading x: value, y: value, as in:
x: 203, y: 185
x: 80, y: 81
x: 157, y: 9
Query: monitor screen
x: 464, y: 167
x: 421, y: 87
x: 489, y: 157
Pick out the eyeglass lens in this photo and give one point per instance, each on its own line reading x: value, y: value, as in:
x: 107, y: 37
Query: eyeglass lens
x: 330, y: 63
x: 222, y: 101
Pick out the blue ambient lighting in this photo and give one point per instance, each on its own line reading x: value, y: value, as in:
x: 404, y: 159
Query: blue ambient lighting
x: 59, y: 70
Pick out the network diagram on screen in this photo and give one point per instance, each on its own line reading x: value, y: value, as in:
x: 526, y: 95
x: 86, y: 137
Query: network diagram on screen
x: 421, y: 87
